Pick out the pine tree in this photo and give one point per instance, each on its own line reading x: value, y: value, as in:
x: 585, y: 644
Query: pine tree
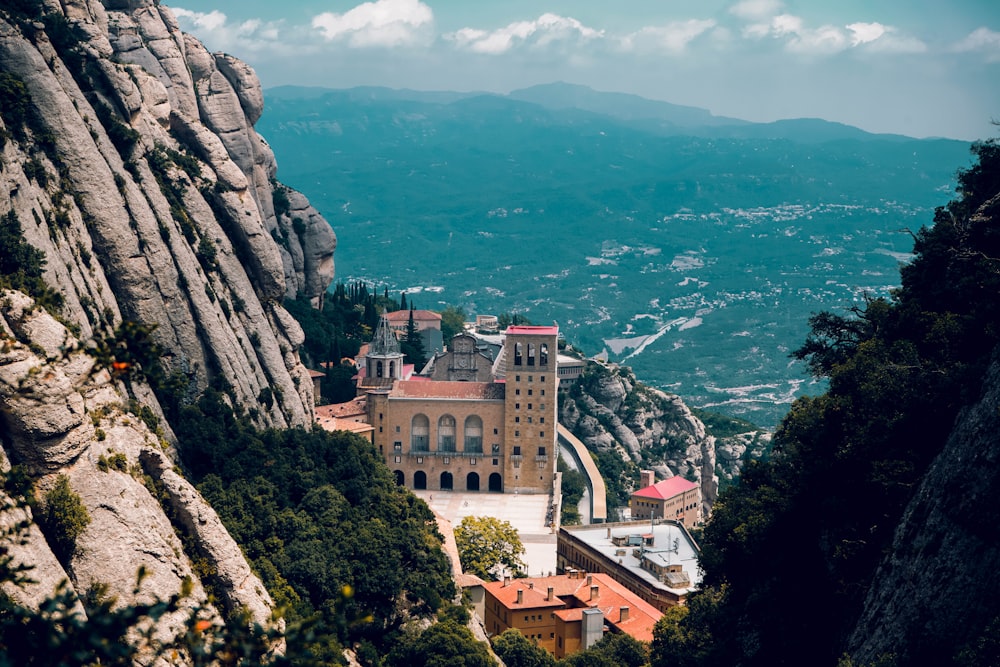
x: 402, y: 302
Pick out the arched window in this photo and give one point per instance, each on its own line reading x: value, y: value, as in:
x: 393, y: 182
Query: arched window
x: 531, y: 354
x: 472, y: 482
x: 378, y: 369
x: 420, y: 480
x: 447, y: 481
x: 543, y: 355
x: 517, y: 354
x: 446, y: 433
x: 420, y: 429
x: 496, y: 483
x: 473, y: 434
x: 392, y: 369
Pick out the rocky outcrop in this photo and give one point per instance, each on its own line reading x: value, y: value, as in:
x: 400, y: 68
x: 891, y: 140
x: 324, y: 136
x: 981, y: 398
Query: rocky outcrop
x: 608, y: 409
x: 139, y: 174
x: 63, y: 415
x: 936, y: 591
x: 128, y: 156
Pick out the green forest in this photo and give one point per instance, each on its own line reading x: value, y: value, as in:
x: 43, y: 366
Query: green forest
x: 791, y: 550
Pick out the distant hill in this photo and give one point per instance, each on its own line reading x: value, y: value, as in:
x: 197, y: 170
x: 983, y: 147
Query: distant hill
x: 695, y: 254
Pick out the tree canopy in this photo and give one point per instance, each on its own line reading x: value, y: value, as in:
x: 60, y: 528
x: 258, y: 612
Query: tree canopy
x: 817, y: 519
x: 489, y: 547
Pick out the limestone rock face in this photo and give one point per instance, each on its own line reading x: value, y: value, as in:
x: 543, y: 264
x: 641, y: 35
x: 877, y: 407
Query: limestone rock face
x: 942, y: 576
x: 128, y: 156
x: 104, y: 451
x: 609, y: 410
x: 153, y: 197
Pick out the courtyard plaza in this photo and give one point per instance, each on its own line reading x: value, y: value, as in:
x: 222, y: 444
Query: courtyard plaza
x: 526, y: 512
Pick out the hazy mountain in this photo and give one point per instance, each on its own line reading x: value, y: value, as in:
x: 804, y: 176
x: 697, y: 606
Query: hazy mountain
x: 696, y: 255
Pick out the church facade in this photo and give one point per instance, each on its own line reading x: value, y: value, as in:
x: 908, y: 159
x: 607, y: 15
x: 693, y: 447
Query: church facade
x: 470, y: 424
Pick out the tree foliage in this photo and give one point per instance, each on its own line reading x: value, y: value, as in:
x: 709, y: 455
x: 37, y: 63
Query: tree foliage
x: 516, y: 650
x: 489, y: 547
x: 445, y: 644
x: 321, y: 519
x: 820, y: 515
x: 452, y: 322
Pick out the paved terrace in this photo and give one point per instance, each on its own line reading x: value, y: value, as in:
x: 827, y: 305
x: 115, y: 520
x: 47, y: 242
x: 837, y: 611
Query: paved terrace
x: 526, y: 512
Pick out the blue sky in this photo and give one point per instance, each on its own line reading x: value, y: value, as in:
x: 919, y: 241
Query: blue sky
x: 916, y: 67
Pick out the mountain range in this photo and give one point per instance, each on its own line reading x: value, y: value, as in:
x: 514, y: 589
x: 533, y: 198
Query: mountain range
x: 660, y: 235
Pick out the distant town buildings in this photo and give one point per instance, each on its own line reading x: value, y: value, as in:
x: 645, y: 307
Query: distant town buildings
x: 566, y: 613
x: 675, y: 498
x: 659, y: 562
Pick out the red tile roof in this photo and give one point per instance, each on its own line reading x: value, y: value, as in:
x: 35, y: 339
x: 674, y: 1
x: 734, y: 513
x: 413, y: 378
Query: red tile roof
x: 356, y: 406
x: 668, y: 488
x: 445, y: 389
x: 573, y: 594
x: 316, y: 374
x: 397, y: 316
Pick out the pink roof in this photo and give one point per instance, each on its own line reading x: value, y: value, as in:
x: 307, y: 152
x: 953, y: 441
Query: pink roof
x: 525, y: 330
x: 668, y: 488
x: 316, y: 374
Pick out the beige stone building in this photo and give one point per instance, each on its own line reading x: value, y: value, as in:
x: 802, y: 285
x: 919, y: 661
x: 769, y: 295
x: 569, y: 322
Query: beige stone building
x: 466, y: 428
x: 675, y: 498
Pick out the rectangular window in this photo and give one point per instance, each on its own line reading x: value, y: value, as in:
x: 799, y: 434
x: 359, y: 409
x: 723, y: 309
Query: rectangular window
x: 517, y: 406
x: 379, y: 429
x: 541, y: 434
x: 517, y: 378
x: 420, y: 459
x: 397, y: 446
x: 530, y: 377
x: 517, y: 420
x: 543, y: 392
x: 541, y: 420
x: 529, y: 420
x: 529, y: 392
x: 496, y: 462
x: 541, y: 451
x: 517, y: 392
x: 517, y: 450
x: 396, y: 459
x: 517, y: 434
x: 397, y: 429
x: 447, y: 460
x: 472, y: 462
x: 495, y: 431
x: 543, y: 378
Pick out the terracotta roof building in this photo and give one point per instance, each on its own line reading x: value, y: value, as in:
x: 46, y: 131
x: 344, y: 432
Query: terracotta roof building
x: 675, y: 498
x: 567, y: 613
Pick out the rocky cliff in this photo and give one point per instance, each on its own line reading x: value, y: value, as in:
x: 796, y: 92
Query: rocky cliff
x: 609, y: 410
x: 128, y: 157
x: 935, y: 592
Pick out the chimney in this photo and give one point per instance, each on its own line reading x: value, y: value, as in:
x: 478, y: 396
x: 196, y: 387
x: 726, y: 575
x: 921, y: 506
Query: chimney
x: 506, y: 582
x: 595, y: 592
x: 646, y: 478
x: 531, y: 585
x: 520, y: 595
x: 609, y: 532
x: 590, y: 579
x: 624, y: 611
x: 548, y: 593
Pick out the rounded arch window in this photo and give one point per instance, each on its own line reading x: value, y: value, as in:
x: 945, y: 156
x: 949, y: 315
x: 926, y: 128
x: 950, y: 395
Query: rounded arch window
x: 473, y: 434
x: 420, y: 429
x: 446, y: 433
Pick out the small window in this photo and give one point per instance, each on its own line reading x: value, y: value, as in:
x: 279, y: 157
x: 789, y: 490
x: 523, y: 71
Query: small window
x: 379, y: 429
x: 420, y: 459
x: 543, y: 392
x: 517, y: 392
x: 517, y: 434
x: 529, y: 406
x: 543, y: 378
x: 541, y: 420
x: 541, y: 451
x: 447, y: 460
x: 529, y: 392
x: 496, y: 462
x: 495, y: 431
x: 397, y: 446
x: 396, y: 459
x: 541, y: 434
x: 397, y: 429
x: 517, y: 378
x: 517, y: 450
x: 472, y: 462
x: 517, y: 420
x: 530, y: 377
x: 517, y: 406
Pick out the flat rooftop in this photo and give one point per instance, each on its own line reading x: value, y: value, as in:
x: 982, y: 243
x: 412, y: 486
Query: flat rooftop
x: 671, y: 545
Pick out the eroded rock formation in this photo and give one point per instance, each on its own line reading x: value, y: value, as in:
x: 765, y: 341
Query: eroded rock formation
x: 128, y: 156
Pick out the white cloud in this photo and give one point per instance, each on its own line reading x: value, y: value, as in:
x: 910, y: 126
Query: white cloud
x: 756, y: 9
x: 381, y: 23
x: 217, y: 33
x: 213, y: 20
x: 981, y: 40
x: 862, y: 33
x: 673, y: 37
x: 545, y: 30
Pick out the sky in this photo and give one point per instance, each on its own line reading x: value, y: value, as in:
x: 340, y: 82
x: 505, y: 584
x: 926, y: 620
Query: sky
x: 916, y: 67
